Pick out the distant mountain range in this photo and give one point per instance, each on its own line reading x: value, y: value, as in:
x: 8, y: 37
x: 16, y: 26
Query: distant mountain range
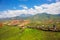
x: 45, y: 16
x: 39, y: 16
x: 22, y: 16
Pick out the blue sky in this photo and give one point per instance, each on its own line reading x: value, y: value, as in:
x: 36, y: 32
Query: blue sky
x: 12, y: 4
x: 12, y: 8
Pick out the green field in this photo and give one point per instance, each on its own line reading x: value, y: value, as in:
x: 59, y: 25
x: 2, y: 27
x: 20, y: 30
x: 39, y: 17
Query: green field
x: 13, y: 33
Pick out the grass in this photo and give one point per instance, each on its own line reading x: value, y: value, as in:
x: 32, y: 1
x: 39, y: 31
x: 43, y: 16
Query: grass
x: 9, y: 32
x: 33, y: 34
x: 13, y: 33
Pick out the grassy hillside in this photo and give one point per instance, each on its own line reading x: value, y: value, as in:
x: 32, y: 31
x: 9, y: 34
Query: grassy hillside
x: 44, y: 16
x: 13, y: 33
x: 8, y: 33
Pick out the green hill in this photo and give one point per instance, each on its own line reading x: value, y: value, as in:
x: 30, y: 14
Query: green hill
x: 13, y: 33
x: 45, y: 16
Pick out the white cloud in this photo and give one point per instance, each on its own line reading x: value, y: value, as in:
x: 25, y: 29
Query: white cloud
x: 53, y: 8
x: 23, y: 6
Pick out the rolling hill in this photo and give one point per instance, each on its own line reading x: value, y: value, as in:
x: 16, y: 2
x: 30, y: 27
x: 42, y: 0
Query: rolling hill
x: 36, y: 17
x: 45, y: 16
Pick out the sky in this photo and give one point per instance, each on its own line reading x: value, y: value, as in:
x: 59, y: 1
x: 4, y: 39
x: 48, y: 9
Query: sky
x: 12, y: 8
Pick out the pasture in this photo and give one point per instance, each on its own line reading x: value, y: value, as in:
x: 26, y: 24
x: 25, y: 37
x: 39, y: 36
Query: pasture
x: 14, y: 33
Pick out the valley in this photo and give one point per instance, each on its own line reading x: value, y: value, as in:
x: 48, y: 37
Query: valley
x: 35, y: 27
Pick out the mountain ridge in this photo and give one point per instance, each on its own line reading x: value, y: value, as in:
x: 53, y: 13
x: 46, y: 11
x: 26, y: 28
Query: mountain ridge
x: 39, y: 16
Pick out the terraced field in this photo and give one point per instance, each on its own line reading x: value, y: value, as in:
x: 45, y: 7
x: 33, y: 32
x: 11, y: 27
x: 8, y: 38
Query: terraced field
x: 14, y: 33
